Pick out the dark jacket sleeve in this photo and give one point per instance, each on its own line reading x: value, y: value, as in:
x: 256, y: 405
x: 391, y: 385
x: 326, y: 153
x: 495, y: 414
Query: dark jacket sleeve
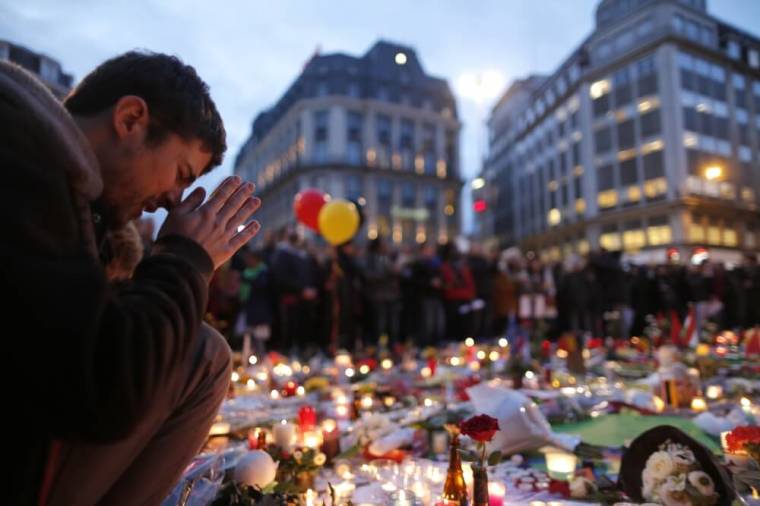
x: 85, y: 357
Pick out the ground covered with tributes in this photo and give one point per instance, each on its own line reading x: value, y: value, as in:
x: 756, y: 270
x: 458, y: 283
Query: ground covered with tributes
x: 490, y: 423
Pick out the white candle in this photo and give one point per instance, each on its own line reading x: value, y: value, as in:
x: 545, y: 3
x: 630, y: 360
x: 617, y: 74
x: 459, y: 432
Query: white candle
x: 284, y: 435
x: 440, y: 442
x: 310, y: 497
x: 561, y: 465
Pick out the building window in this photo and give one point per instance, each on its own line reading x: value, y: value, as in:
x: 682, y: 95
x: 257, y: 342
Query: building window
x: 607, y: 199
x: 353, y: 187
x: 626, y: 135
x: 406, y: 144
x: 659, y: 232
x: 654, y: 166
x: 603, y: 140
x: 384, y: 191
x: 610, y: 239
x: 354, y: 149
x: 408, y: 195
x: 383, y: 131
x: 622, y: 85
x: 633, y: 237
x: 646, y: 76
x: 655, y: 188
x: 650, y: 123
x: 733, y: 50
x: 320, y: 135
x: 428, y: 148
x: 628, y: 173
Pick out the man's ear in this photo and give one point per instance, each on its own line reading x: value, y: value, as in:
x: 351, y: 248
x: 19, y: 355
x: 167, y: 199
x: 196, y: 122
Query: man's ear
x: 130, y: 118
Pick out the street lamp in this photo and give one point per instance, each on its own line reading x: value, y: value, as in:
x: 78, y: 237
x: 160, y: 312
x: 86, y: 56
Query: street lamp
x: 480, y: 87
x: 713, y: 172
x: 478, y: 183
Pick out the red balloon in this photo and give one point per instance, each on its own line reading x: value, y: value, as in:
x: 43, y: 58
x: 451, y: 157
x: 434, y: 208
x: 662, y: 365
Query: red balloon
x: 306, y: 206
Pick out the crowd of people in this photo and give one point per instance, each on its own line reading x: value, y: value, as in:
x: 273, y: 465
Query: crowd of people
x: 292, y: 294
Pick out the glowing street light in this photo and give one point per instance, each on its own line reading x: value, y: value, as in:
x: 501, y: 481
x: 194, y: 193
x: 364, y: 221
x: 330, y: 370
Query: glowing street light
x: 478, y: 183
x: 713, y: 172
x: 481, y: 87
x: 400, y: 58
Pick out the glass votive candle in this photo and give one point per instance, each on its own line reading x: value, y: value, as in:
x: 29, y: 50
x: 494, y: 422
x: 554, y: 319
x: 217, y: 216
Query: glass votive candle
x: 698, y: 404
x: 403, y: 498
x: 560, y: 464
x: 496, y: 492
x: 714, y: 392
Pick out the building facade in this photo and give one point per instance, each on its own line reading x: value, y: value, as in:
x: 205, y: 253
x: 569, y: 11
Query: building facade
x: 47, y: 69
x: 644, y: 139
x: 375, y: 129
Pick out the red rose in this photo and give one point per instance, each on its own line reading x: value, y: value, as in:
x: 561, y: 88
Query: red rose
x: 481, y: 428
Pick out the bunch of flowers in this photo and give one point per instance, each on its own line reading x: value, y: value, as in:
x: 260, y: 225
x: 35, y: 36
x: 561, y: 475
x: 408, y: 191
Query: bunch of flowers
x: 744, y: 440
x: 673, y: 477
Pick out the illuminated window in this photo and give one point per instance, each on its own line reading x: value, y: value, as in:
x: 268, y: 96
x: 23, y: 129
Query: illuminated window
x: 553, y: 185
x: 578, y: 170
x: 696, y: 232
x: 580, y: 206
x: 554, y: 254
x: 713, y: 234
x: 652, y: 146
x: 633, y: 239
x: 748, y: 195
x: 730, y: 237
x: 607, y: 199
x: 440, y: 169
x: 659, y: 234
x: 727, y: 191
x: 633, y: 193
x: 610, y: 241
x: 583, y: 247
x: 599, y: 88
x: 419, y: 164
x: 554, y: 217
x: 655, y: 187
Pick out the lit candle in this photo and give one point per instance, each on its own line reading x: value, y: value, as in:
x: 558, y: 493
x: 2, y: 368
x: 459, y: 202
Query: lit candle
x: 310, y: 497
x: 561, y: 465
x: 402, y: 498
x: 439, y: 442
x: 219, y: 429
x: 714, y: 392
x: 344, y: 490
x: 343, y: 360
x: 746, y: 405
x: 284, y: 434
x: 422, y: 492
x: 496, y: 493
x: 366, y: 402
x: 312, y: 439
x: 698, y: 404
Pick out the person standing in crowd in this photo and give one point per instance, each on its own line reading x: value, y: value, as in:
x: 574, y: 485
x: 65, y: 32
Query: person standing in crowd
x: 382, y: 291
x: 458, y: 292
x: 349, y: 299
x: 503, y: 296
x: 137, y: 378
x: 293, y: 283
x: 425, y: 299
x: 481, y: 269
x: 256, y: 296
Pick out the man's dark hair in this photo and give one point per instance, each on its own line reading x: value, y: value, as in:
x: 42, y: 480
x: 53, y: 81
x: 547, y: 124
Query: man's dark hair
x: 177, y: 98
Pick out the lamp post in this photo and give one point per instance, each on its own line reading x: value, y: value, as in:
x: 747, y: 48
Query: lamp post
x: 479, y: 89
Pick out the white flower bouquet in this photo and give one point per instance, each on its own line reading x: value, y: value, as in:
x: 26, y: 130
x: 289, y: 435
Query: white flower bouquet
x: 672, y: 476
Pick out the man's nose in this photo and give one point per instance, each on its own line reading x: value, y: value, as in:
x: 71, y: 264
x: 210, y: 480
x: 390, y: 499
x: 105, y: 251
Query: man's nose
x: 171, y: 199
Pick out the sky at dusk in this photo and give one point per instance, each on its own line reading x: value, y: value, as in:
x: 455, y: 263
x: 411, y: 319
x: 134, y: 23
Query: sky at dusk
x: 250, y: 51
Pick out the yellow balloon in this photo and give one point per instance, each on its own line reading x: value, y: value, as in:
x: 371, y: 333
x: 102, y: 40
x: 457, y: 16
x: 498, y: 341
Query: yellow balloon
x: 338, y: 221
